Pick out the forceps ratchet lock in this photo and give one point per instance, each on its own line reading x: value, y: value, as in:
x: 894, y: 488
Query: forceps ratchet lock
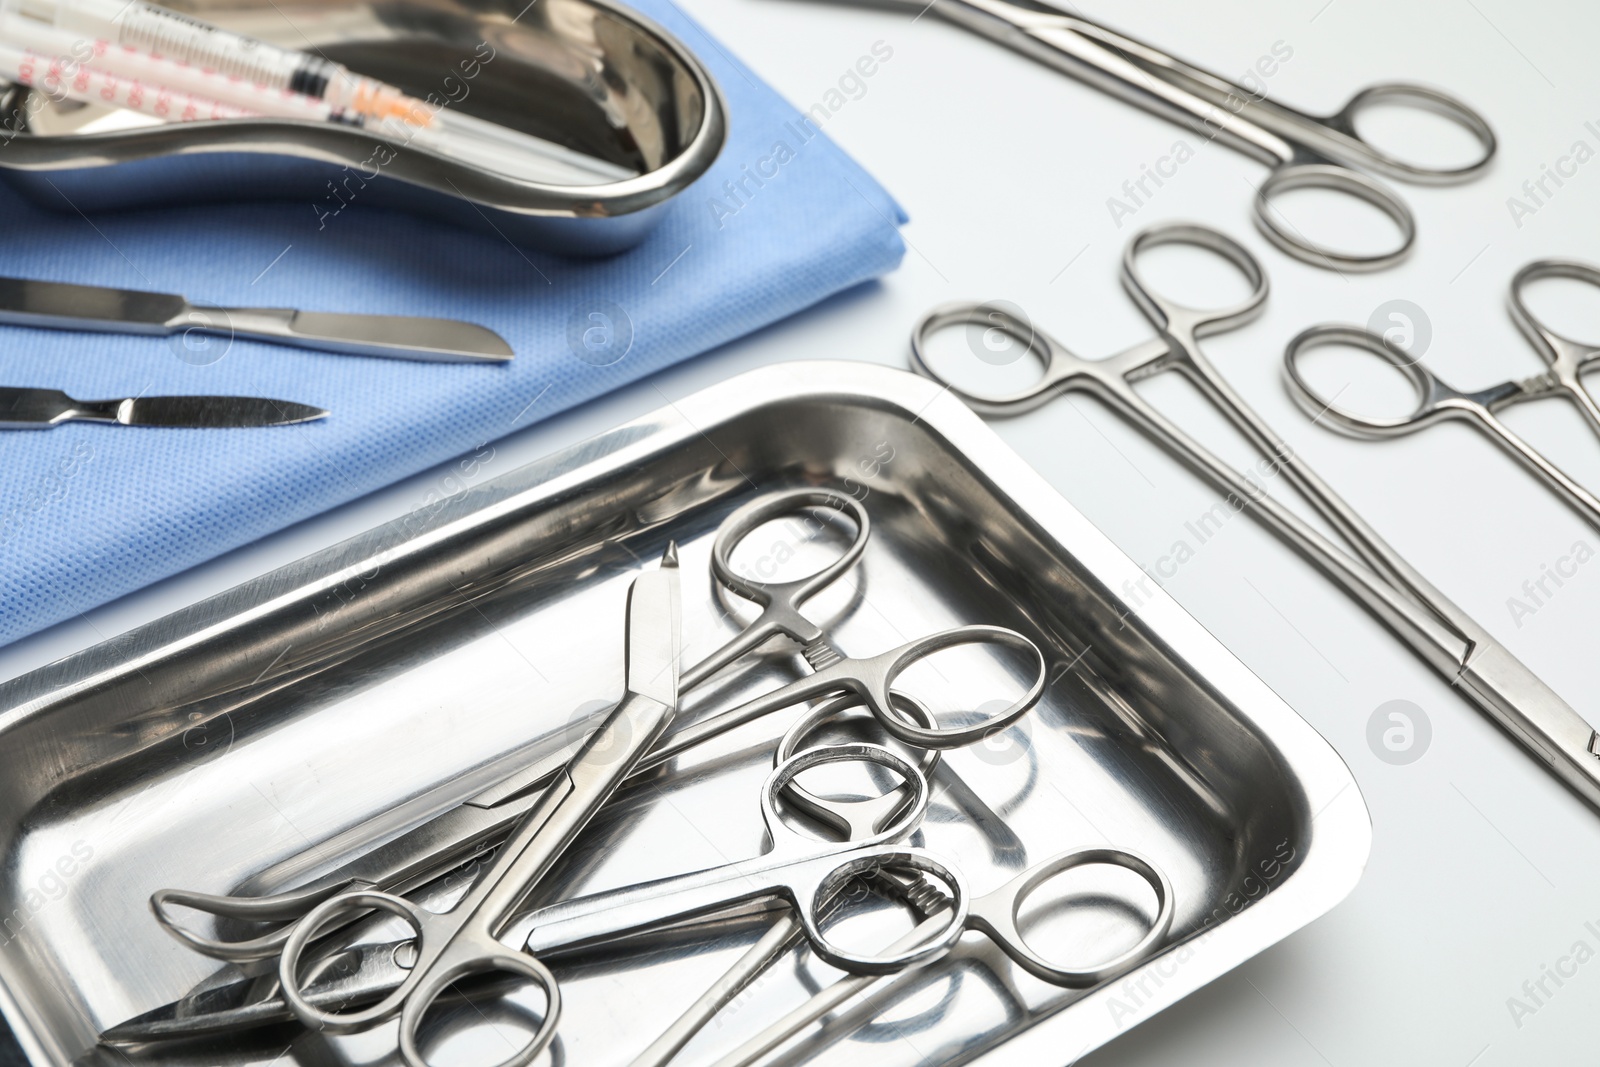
x: 1437, y: 401
x: 997, y: 914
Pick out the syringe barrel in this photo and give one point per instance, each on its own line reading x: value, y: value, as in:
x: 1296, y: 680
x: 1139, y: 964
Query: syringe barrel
x: 58, y: 79
x: 174, y: 35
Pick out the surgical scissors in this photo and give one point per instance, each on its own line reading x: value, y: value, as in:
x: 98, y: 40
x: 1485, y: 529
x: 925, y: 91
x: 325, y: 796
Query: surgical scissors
x: 868, y: 680
x: 1438, y: 401
x: 802, y: 871
x: 1304, y: 151
x: 1441, y: 634
x: 464, y: 941
x: 807, y: 874
x: 457, y: 835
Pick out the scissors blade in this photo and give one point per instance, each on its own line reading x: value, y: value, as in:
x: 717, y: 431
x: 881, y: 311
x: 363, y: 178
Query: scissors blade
x: 365, y: 974
x: 356, y: 977
x: 653, y: 653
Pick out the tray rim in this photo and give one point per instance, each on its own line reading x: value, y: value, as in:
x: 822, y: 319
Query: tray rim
x: 1329, y: 870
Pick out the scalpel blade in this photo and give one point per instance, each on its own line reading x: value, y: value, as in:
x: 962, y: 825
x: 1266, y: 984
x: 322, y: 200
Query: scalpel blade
x: 215, y: 412
x: 63, y: 306
x: 45, y: 409
x: 394, y: 336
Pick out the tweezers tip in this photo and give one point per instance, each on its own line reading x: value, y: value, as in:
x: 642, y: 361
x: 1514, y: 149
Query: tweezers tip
x: 669, y: 558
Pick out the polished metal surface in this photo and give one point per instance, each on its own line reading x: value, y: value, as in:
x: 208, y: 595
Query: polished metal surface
x: 1441, y: 634
x: 1438, y: 401
x: 592, y: 76
x: 61, y: 305
x: 466, y: 941
x: 437, y: 846
x: 1304, y: 151
x: 45, y: 409
x: 806, y: 873
x: 388, y: 679
x: 995, y: 914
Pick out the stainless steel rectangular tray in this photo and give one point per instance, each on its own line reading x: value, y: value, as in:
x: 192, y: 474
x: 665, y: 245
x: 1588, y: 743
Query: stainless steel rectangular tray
x: 387, y: 674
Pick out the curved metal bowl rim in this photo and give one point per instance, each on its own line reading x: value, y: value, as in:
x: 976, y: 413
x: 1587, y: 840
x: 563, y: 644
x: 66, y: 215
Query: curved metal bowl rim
x: 327, y: 143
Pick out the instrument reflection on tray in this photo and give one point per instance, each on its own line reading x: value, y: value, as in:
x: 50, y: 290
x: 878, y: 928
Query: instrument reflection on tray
x: 833, y: 849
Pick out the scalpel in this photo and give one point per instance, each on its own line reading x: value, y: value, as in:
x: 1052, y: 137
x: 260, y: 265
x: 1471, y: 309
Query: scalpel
x: 59, y: 305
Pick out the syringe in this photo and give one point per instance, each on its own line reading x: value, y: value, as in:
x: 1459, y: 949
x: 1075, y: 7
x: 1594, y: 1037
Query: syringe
x: 83, y: 84
x: 184, y: 39
x: 71, y: 60
x: 149, y: 43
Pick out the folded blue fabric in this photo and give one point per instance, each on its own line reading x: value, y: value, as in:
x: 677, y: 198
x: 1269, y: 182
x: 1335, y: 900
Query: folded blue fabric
x: 89, y: 513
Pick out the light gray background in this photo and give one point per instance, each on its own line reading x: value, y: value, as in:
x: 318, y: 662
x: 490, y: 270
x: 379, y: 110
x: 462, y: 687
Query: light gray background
x: 1483, y: 868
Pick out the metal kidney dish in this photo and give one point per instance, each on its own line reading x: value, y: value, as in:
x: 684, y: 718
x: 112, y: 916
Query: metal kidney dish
x: 591, y: 76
